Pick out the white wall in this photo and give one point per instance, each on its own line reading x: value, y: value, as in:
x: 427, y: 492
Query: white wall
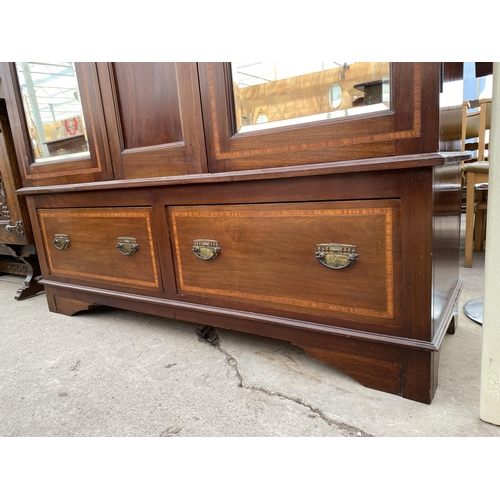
x: 490, y: 361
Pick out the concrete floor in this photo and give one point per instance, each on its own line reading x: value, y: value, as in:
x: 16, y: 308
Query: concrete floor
x: 109, y: 372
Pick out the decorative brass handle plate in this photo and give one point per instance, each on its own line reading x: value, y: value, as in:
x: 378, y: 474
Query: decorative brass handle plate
x: 61, y: 241
x: 127, y: 246
x: 206, y: 249
x: 336, y: 255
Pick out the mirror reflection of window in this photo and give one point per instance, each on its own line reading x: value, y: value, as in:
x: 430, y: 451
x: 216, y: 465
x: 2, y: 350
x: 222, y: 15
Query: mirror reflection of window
x: 53, y: 111
x: 335, y: 95
x: 270, y: 95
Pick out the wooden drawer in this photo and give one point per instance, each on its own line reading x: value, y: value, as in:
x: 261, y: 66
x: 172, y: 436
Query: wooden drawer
x: 92, y: 252
x: 268, y: 256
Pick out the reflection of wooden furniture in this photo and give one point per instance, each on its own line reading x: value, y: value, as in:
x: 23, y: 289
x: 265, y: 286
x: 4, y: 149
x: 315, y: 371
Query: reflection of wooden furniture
x: 475, y: 127
x: 17, y: 251
x: 68, y: 145
x: 476, y: 175
x: 308, y: 94
x: 239, y: 230
x: 372, y: 91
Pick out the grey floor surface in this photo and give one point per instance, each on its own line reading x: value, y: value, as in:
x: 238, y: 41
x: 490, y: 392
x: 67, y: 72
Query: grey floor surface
x: 109, y: 372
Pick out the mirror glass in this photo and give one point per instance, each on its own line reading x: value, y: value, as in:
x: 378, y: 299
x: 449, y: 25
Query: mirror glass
x: 335, y: 95
x: 269, y: 95
x: 54, y: 116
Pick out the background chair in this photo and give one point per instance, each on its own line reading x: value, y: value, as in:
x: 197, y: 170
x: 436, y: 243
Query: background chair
x: 476, y: 124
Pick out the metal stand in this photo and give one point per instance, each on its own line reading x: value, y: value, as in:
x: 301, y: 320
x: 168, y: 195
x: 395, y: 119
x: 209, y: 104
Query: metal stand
x: 473, y: 309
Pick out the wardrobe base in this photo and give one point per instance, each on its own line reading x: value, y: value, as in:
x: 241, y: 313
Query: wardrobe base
x: 395, y: 365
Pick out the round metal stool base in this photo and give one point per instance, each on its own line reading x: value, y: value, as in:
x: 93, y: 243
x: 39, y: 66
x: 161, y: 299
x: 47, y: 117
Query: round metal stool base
x: 473, y: 309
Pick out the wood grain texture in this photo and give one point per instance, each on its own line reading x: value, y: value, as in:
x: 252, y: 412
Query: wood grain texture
x: 66, y: 305
x: 153, y: 115
x: 92, y: 252
x: 269, y: 199
x: 145, y: 92
x: 446, y: 222
x: 368, y: 168
x: 13, y: 208
x: 268, y: 255
x: 399, y: 367
x: 381, y: 134
x: 416, y: 251
x: 94, y: 167
x: 371, y: 372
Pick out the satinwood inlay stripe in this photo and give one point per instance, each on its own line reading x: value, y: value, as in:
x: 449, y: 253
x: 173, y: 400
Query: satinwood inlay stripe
x: 414, y: 131
x: 46, y: 214
x: 386, y: 212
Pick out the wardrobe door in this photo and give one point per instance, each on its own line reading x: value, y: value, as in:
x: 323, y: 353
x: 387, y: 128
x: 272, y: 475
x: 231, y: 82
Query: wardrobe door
x: 57, y: 122
x: 153, y: 114
x: 265, y: 115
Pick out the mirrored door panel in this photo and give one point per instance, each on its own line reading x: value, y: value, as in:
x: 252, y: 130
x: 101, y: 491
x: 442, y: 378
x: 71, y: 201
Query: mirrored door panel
x: 153, y: 117
x: 53, y: 110
x: 277, y: 94
x: 268, y: 115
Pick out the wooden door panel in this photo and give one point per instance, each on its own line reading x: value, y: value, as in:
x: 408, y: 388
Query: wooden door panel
x: 153, y: 113
x: 146, y: 92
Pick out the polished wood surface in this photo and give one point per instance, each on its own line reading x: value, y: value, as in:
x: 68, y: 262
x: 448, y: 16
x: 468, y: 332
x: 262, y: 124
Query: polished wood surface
x: 387, y: 133
x: 94, y: 167
x: 269, y: 198
x: 22, y: 260
x: 12, y: 208
x: 268, y: 256
x: 153, y: 117
x: 92, y: 254
x: 17, y: 251
x: 416, y: 195
x: 364, y: 357
x: 427, y: 261
x: 143, y: 90
x: 446, y: 220
x: 134, y: 130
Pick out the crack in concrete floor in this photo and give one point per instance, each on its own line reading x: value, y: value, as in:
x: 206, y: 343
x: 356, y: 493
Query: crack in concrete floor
x: 211, y: 336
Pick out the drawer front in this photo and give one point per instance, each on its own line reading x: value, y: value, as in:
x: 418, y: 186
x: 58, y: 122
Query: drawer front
x: 269, y: 255
x: 106, y: 245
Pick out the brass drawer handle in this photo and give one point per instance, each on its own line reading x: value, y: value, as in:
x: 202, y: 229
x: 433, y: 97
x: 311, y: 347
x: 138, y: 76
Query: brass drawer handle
x: 206, y: 249
x: 336, y: 255
x: 127, y: 246
x: 61, y: 241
